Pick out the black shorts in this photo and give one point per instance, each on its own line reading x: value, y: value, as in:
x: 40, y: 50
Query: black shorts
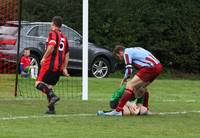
x: 51, y: 77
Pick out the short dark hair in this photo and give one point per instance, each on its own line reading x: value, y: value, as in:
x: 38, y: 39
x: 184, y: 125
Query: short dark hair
x: 57, y: 20
x: 118, y: 48
x: 26, y: 49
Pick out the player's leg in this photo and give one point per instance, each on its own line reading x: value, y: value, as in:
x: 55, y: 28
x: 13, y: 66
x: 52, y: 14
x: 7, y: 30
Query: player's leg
x: 146, y: 100
x: 147, y: 75
x: 43, y: 82
x: 51, y: 109
x: 131, y: 87
x: 43, y: 86
x: 116, y: 96
x: 142, y: 96
x: 52, y: 78
x: 142, y: 79
x: 51, y: 97
x: 129, y: 109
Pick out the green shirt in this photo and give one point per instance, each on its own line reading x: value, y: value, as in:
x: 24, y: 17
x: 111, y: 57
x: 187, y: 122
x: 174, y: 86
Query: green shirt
x: 118, y: 93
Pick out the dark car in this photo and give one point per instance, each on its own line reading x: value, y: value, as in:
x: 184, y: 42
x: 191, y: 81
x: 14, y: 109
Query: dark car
x: 101, y: 61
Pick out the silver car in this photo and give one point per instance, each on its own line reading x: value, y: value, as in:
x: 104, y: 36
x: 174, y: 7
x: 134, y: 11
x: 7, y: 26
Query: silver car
x: 101, y: 61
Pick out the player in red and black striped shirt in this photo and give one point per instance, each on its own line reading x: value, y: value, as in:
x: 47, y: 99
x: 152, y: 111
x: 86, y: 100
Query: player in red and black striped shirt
x: 53, y: 63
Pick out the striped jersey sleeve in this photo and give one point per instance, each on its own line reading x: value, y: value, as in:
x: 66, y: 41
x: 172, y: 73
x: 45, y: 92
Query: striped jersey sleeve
x: 128, y: 65
x: 52, y: 39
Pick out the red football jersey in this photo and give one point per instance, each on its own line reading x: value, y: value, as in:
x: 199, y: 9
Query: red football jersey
x: 25, y: 61
x: 56, y: 59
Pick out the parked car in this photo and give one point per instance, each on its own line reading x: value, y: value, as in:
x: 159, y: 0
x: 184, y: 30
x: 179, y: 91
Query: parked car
x: 101, y: 61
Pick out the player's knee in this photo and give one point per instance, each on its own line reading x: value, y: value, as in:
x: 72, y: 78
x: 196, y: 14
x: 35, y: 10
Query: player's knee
x: 39, y: 85
x: 42, y: 87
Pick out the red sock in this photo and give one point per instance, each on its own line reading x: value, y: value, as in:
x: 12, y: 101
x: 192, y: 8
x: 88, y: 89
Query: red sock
x: 146, y: 100
x: 125, y: 97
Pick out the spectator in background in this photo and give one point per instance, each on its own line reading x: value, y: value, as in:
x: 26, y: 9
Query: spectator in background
x: 26, y: 69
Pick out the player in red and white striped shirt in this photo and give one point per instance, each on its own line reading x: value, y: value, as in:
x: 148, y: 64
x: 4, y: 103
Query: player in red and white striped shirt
x: 149, y: 69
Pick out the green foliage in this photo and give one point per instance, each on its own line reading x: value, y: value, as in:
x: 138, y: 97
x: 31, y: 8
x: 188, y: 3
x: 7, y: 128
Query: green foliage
x: 170, y: 29
x: 44, y: 10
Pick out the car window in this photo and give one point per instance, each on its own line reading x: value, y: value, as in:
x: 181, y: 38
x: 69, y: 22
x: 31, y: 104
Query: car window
x: 71, y: 35
x: 24, y: 29
x: 34, y: 31
x: 40, y: 31
x: 43, y: 30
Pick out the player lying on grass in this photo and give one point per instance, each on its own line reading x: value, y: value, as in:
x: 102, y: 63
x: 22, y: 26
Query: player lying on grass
x: 135, y: 106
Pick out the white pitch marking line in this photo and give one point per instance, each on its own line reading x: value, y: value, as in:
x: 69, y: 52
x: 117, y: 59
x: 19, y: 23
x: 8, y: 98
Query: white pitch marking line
x: 85, y: 115
x: 175, y: 113
x: 187, y: 101
x: 43, y: 116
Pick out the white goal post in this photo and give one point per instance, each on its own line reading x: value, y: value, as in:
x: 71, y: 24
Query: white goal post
x: 85, y: 51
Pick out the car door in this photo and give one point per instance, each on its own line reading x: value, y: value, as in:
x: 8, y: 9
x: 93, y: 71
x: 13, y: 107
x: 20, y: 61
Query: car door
x: 75, y: 47
x: 37, y: 36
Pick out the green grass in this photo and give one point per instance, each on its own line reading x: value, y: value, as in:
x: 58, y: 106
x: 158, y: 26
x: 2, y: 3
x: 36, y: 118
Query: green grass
x: 165, y: 96
x: 166, y: 74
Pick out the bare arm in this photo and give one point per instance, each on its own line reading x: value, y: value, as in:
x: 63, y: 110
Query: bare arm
x: 123, y: 81
x: 47, y: 53
x: 65, y: 65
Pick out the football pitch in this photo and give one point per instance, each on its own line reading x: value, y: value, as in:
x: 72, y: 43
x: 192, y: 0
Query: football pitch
x: 175, y: 103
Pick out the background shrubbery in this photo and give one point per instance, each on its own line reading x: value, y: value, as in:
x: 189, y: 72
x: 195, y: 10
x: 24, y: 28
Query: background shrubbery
x: 168, y: 28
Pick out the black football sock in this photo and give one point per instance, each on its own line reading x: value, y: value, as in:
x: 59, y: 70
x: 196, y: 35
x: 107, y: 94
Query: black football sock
x: 44, y: 88
x: 51, y: 93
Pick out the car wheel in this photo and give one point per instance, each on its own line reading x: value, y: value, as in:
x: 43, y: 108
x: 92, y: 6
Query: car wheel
x: 100, y: 68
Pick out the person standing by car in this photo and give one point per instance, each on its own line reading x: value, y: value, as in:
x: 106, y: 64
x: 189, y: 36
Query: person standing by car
x: 53, y: 63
